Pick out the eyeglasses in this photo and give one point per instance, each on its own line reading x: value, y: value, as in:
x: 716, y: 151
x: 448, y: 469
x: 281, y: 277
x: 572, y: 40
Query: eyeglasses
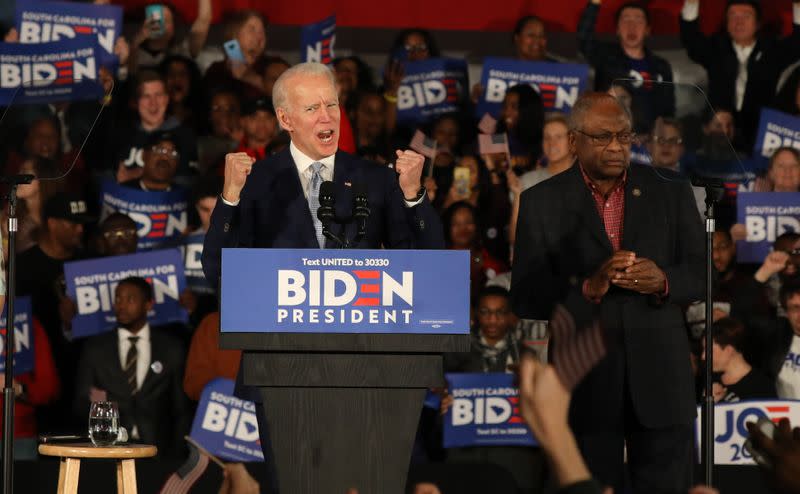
x: 416, y: 48
x: 624, y: 138
x: 167, y: 152
x: 667, y: 141
x: 119, y: 234
x: 483, y: 312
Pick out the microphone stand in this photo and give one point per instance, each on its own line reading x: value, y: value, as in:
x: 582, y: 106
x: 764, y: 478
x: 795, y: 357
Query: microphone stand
x: 714, y: 190
x: 8, y: 389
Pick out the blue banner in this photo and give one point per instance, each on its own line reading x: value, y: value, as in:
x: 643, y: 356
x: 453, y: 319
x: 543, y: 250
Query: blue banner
x: 23, y: 336
x: 485, y: 412
x: 48, y: 72
x: 162, y: 217
x: 345, y: 291
x: 775, y: 130
x: 766, y: 215
x: 559, y: 84
x: 91, y: 284
x: 45, y: 21
x: 317, y: 40
x: 430, y: 88
x: 192, y: 256
x: 225, y: 425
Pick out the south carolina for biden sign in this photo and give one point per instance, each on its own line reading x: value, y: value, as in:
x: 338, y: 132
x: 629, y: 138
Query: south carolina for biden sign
x: 345, y: 291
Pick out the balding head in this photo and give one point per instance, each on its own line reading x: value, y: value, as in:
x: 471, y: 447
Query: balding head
x: 589, y: 101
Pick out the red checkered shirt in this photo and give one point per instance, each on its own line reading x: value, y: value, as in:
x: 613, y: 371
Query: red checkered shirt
x: 610, y: 207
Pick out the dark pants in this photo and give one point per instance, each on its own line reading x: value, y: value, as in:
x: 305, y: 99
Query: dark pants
x: 660, y: 460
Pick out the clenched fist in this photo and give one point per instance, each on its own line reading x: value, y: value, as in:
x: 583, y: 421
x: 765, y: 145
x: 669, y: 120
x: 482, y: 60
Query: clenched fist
x: 237, y: 168
x: 409, y: 165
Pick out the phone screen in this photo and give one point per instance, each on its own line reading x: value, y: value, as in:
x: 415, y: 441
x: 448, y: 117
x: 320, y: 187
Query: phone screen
x: 461, y: 180
x: 154, y: 16
x: 233, y: 51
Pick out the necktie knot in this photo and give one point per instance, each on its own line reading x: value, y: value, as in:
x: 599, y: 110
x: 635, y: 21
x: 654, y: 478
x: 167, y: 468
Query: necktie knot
x: 133, y: 340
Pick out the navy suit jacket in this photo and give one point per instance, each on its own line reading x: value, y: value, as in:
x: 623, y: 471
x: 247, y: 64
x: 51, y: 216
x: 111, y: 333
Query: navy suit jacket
x: 561, y: 242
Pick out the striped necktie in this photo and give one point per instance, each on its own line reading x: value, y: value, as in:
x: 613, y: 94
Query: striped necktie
x: 313, y: 200
x: 130, y: 364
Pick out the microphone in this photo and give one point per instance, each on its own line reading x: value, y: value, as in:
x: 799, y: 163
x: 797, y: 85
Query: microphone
x: 326, y: 213
x: 361, y: 211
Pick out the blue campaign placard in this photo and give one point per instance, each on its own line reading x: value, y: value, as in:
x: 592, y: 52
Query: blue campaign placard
x: 317, y: 40
x: 775, y: 130
x: 91, y: 284
x: 45, y: 21
x: 23, y: 336
x: 226, y: 426
x: 485, y: 412
x: 766, y: 215
x: 161, y: 216
x: 48, y: 72
x: 193, y: 264
x: 430, y: 88
x: 559, y: 84
x: 345, y: 291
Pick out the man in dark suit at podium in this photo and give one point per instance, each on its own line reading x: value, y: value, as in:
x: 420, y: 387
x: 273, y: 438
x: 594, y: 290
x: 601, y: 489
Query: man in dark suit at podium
x: 272, y: 203
x: 622, y: 243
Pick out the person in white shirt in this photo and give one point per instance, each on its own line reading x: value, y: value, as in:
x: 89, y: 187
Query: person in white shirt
x: 783, y: 345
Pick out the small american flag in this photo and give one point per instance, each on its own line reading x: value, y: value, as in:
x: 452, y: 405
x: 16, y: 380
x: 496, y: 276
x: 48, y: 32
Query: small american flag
x: 488, y: 124
x: 187, y: 474
x: 493, y: 144
x: 423, y: 144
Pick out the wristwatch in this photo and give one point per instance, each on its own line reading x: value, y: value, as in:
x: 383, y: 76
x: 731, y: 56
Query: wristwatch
x: 420, y: 195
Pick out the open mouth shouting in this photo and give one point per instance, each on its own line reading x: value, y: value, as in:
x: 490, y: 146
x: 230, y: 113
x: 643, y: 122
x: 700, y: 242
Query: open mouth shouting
x: 326, y: 136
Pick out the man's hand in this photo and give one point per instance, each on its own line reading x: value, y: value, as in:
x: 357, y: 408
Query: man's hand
x: 122, y: 50
x: 718, y: 391
x: 409, y: 165
x: 97, y: 394
x: 544, y: 401
x: 600, y: 282
x: 12, y: 36
x: 774, y: 263
x: 125, y: 173
x: 446, y: 403
x: 237, y: 168
x: 784, y: 452
x: 643, y: 277
x: 237, y: 480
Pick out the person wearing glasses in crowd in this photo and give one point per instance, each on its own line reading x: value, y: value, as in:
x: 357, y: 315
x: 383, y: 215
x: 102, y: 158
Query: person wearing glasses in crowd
x: 619, y: 242
x: 160, y: 158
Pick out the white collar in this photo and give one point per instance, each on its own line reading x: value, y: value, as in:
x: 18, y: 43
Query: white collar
x: 303, y: 162
x: 743, y: 52
x: 143, y: 334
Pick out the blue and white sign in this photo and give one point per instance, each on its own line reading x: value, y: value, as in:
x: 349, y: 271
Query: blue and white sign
x: 559, y: 84
x: 193, y: 264
x: 225, y: 425
x: 91, y: 284
x: 775, y: 130
x: 485, y: 412
x: 345, y: 291
x: 161, y: 216
x: 23, y: 336
x: 730, y: 431
x: 766, y: 215
x: 430, y: 88
x: 317, y: 40
x: 48, y: 72
x: 45, y: 21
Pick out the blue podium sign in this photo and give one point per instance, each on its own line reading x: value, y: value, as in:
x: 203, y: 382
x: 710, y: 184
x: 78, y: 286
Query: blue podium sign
x: 345, y: 291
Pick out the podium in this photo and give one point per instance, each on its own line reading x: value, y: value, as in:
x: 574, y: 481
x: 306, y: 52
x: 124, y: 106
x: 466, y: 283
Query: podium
x: 342, y: 345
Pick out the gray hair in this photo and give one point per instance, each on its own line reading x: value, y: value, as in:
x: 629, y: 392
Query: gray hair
x: 586, y: 103
x: 280, y: 99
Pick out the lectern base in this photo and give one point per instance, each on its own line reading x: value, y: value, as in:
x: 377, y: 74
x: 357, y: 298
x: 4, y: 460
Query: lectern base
x: 327, y: 440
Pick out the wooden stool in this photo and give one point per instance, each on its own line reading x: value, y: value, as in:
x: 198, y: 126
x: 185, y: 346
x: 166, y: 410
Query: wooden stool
x: 71, y: 454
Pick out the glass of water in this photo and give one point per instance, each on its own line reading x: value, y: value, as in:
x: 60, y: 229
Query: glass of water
x: 103, y: 423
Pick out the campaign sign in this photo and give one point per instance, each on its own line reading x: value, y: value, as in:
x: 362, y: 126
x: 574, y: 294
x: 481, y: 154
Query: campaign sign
x: 193, y: 264
x: 225, y: 425
x: 776, y: 130
x: 730, y: 431
x: 559, y: 84
x: 45, y: 21
x: 317, y: 40
x: 766, y: 215
x: 161, y: 216
x: 430, y: 88
x: 23, y: 336
x: 92, y: 283
x: 345, y: 291
x: 48, y: 72
x: 485, y: 412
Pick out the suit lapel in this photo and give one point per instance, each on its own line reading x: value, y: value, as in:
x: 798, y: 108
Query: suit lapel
x: 156, y: 360
x: 585, y: 208
x: 635, y: 214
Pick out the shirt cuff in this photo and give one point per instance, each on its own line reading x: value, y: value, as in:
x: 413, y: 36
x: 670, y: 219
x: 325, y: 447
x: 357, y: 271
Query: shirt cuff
x: 411, y: 204
x: 796, y: 13
x: 691, y: 11
x: 585, y: 291
x: 229, y: 203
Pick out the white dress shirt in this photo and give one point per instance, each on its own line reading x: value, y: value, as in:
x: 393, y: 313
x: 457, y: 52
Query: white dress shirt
x: 142, y: 346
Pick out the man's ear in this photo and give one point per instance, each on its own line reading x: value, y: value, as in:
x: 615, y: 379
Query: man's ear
x: 283, y: 119
x: 571, y: 137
